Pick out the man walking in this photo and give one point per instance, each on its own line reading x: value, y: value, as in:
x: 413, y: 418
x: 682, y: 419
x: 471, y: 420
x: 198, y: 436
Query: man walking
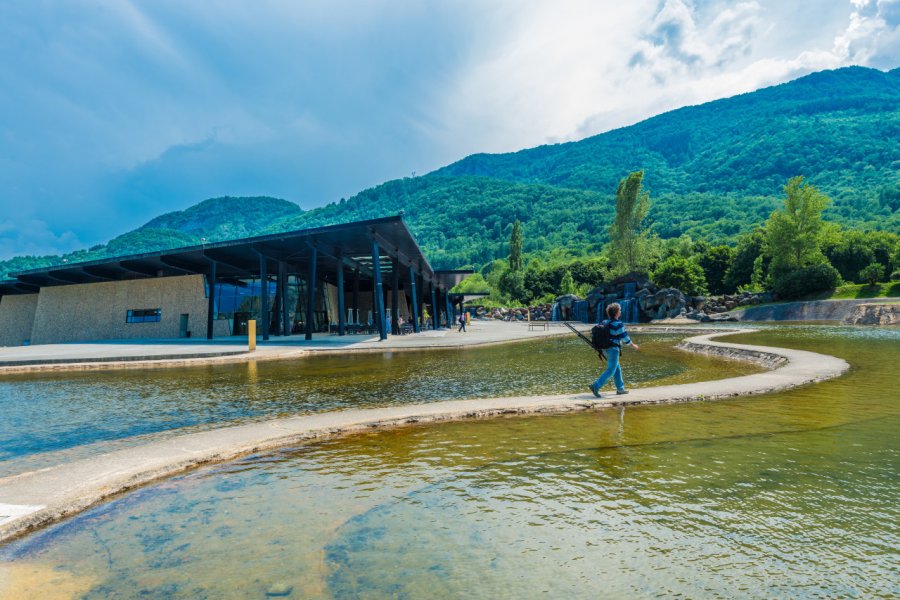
x: 617, y: 337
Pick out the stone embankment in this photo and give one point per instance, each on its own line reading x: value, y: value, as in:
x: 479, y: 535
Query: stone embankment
x: 35, y: 499
x: 822, y: 310
x: 873, y: 314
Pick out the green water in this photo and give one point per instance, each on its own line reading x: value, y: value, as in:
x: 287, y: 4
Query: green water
x: 52, y: 418
x: 787, y: 495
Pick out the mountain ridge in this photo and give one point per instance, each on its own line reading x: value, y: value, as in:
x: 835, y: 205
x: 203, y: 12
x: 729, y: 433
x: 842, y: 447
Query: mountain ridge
x: 715, y: 170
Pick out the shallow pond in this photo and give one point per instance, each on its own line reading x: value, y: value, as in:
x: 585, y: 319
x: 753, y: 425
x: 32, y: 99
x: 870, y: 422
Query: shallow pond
x: 86, y: 412
x: 789, y: 494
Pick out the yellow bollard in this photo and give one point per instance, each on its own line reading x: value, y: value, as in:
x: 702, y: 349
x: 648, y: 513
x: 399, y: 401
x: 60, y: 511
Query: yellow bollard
x: 251, y: 335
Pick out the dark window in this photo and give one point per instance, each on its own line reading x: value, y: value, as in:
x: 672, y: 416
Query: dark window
x: 143, y: 315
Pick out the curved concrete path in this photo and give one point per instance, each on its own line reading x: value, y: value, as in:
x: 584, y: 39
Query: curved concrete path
x: 32, y: 500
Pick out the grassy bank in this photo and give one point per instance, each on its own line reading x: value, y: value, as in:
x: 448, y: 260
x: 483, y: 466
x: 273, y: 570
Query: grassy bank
x: 850, y: 291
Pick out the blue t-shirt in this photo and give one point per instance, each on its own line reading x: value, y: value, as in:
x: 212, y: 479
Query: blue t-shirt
x: 617, y: 332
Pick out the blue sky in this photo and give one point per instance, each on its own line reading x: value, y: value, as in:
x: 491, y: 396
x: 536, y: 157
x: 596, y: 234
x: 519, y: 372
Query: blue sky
x: 112, y: 112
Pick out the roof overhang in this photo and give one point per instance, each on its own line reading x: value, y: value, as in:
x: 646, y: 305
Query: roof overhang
x: 349, y: 246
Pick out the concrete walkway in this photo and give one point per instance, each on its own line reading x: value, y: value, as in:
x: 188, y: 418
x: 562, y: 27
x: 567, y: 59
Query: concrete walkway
x: 125, y: 354
x: 32, y: 500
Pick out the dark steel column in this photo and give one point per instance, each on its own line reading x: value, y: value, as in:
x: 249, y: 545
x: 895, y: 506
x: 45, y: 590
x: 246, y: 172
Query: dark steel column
x: 434, y: 309
x: 285, y: 313
x: 395, y: 296
x: 341, y: 308
x: 414, y: 299
x: 449, y: 308
x: 276, y: 306
x: 211, y: 307
x: 423, y: 300
x: 264, y: 297
x: 311, y: 288
x: 378, y: 293
x: 354, y: 302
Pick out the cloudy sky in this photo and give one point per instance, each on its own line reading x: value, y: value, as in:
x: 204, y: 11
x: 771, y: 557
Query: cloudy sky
x: 112, y: 112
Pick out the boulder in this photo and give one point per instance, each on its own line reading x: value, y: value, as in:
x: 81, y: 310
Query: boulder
x: 719, y: 318
x: 639, y: 279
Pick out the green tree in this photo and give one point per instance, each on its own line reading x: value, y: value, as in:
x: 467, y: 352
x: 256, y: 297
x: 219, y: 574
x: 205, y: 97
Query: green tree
x: 681, y: 273
x: 537, y: 282
x: 567, y: 285
x: 515, y: 247
x: 512, y: 285
x: 473, y: 284
x: 749, y: 248
x: 758, y: 279
x: 715, y: 262
x: 793, y: 234
x: 628, y: 239
x: 849, y: 252
x: 872, y: 274
x: 806, y: 281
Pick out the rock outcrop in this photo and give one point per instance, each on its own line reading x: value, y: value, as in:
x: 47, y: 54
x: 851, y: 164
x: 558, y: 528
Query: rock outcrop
x: 873, y: 314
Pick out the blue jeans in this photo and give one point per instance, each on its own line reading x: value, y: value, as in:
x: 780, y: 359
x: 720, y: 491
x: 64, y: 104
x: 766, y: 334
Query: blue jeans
x: 613, y: 369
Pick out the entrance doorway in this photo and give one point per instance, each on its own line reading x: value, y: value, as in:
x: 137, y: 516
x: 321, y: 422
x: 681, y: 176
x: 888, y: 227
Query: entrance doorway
x: 183, y: 330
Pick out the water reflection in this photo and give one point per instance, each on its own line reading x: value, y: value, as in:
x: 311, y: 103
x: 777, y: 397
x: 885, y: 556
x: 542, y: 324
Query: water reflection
x: 55, y: 412
x: 789, y: 494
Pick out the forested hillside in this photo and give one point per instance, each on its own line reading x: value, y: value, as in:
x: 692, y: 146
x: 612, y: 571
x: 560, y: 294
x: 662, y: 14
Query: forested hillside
x: 839, y: 129
x: 226, y: 218
x: 212, y: 220
x: 714, y: 171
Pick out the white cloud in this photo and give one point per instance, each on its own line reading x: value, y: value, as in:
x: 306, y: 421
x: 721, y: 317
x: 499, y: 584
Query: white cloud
x: 33, y: 237
x: 565, y: 71
x: 873, y: 35
x: 115, y: 112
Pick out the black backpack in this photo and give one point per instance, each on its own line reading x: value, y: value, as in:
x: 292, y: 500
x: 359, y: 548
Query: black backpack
x: 600, y: 338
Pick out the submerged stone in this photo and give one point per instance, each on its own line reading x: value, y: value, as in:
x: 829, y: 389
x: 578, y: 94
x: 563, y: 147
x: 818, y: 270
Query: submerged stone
x: 279, y: 590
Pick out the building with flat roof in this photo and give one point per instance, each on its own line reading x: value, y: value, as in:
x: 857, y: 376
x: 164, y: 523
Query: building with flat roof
x: 361, y: 277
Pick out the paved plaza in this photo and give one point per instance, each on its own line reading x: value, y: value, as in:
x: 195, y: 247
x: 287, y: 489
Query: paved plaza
x: 182, y: 352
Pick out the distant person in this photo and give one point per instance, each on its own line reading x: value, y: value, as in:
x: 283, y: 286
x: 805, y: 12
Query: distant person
x: 462, y: 323
x: 612, y: 334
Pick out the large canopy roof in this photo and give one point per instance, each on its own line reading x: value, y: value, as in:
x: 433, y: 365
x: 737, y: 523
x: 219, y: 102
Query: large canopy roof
x: 349, y: 246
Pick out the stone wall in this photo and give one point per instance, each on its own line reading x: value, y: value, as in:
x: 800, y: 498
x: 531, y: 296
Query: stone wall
x: 96, y: 311
x: 874, y: 314
x: 816, y: 310
x: 769, y: 360
x: 17, y: 318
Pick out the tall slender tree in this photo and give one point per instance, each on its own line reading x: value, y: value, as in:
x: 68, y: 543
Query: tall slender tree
x: 515, y: 247
x: 629, y: 241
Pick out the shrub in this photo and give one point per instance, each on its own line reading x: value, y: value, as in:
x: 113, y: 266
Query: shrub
x: 801, y: 282
x: 872, y: 274
x: 512, y: 284
x: 895, y: 276
x: 681, y: 273
x: 715, y: 261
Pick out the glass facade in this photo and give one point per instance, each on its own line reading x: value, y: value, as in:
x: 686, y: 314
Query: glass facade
x: 239, y: 301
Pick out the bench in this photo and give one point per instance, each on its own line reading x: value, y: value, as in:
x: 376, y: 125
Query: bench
x: 532, y: 325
